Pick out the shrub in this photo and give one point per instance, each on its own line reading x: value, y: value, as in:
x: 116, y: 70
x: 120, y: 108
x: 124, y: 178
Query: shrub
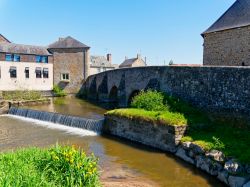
x: 58, y: 91
x: 149, y: 100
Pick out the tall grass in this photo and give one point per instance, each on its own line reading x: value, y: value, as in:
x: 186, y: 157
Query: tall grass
x: 58, y: 166
x: 22, y: 95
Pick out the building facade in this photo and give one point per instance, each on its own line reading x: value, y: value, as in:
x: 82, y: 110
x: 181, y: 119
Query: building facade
x: 133, y: 62
x: 25, y: 67
x: 71, y: 63
x: 100, y: 64
x: 226, y: 42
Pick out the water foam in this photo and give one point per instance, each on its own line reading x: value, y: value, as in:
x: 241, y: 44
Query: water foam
x: 49, y: 125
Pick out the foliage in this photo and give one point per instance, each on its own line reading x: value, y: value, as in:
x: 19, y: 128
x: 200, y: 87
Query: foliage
x: 149, y: 100
x: 165, y: 118
x: 58, y: 166
x: 233, y: 140
x: 58, y: 91
x: 22, y: 95
x: 224, y: 135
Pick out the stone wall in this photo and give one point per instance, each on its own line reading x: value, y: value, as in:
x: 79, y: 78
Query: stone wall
x: 75, y: 63
x: 167, y: 138
x: 222, y: 90
x: 227, y: 170
x: 227, y: 48
x: 163, y: 137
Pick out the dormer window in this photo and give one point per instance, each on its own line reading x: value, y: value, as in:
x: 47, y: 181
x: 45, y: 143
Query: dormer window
x: 41, y: 59
x: 16, y: 58
x: 12, y: 57
x: 8, y: 57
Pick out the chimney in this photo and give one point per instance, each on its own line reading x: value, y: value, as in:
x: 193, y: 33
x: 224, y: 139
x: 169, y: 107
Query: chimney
x: 138, y: 56
x: 109, y: 57
x: 126, y: 58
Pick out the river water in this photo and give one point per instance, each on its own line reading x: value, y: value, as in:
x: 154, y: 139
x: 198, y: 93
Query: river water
x: 122, y: 163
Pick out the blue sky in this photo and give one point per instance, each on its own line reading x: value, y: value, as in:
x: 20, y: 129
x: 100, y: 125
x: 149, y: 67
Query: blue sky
x: 159, y: 29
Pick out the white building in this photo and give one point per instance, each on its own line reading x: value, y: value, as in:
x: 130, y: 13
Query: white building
x: 25, y: 67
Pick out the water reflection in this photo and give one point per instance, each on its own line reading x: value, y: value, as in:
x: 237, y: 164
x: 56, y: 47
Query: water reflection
x: 72, y: 106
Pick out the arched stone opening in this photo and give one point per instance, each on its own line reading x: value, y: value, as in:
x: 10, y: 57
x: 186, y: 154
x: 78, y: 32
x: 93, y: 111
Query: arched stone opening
x: 92, y: 94
x: 113, y: 94
x: 113, y: 97
x: 132, y: 95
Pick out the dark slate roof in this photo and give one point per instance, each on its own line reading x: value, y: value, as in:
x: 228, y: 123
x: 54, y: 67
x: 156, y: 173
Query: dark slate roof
x: 67, y: 42
x: 5, y: 38
x: 128, y: 62
x: 238, y: 15
x: 23, y: 49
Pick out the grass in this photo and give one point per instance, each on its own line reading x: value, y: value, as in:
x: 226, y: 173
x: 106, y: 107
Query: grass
x: 58, y: 166
x: 233, y: 138
x: 227, y: 136
x: 22, y: 95
x: 167, y: 118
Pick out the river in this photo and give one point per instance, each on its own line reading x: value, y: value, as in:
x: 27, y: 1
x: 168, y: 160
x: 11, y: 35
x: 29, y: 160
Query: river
x: 122, y: 163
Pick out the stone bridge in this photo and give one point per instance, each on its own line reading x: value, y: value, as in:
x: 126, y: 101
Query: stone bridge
x: 215, y: 89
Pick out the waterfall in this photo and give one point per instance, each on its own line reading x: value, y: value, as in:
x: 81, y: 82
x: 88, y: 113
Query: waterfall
x: 71, y: 121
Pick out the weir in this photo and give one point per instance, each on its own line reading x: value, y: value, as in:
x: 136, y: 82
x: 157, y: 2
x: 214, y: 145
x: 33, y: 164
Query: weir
x: 67, y: 120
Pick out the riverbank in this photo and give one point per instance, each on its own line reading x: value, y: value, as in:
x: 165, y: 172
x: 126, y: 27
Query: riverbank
x: 161, y: 121
x: 167, y: 137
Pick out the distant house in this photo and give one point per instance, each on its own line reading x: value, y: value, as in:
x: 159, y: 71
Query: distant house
x: 226, y: 42
x: 71, y: 63
x: 101, y: 63
x: 133, y: 62
x: 25, y: 67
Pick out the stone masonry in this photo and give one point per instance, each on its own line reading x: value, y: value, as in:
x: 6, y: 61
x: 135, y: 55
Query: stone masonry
x: 71, y: 62
x: 222, y: 90
x: 227, y: 48
x: 164, y: 137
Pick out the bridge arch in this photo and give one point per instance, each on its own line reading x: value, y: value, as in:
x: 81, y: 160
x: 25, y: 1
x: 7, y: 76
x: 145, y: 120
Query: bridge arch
x: 113, y: 95
x: 132, y: 95
x: 93, y: 90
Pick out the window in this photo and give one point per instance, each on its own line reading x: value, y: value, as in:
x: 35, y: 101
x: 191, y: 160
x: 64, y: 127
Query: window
x: 16, y: 58
x: 8, y: 57
x: 65, y: 76
x: 13, y: 72
x: 38, y: 72
x: 12, y: 57
x: 41, y: 59
x: 27, y: 73
x: 45, y: 73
